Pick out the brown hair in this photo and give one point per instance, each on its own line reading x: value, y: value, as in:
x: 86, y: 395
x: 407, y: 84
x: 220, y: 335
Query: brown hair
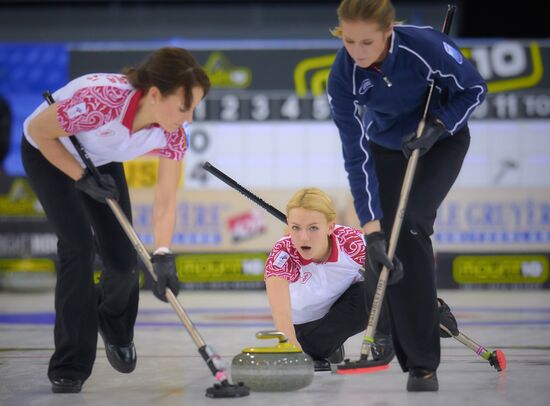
x: 168, y: 69
x: 378, y: 11
x: 312, y: 199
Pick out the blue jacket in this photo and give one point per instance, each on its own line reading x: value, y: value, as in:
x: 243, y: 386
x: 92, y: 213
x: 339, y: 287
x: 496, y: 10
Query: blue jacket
x: 383, y: 106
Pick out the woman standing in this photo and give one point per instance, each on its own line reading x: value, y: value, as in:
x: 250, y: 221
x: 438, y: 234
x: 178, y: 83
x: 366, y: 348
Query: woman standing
x: 377, y: 92
x: 116, y: 117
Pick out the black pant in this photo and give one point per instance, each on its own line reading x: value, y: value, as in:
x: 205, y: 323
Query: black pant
x: 347, y: 316
x: 413, y: 301
x: 83, y: 225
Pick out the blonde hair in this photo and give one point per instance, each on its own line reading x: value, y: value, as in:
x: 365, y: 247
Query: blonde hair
x: 312, y: 199
x: 378, y: 11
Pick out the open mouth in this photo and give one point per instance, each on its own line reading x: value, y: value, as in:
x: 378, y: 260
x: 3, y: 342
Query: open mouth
x: 305, y: 249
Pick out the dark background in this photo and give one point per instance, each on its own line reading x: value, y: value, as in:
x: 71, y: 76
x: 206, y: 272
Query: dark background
x: 124, y: 20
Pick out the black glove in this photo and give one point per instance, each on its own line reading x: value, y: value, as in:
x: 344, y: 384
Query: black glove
x: 447, y: 319
x: 376, y: 257
x: 432, y: 131
x: 164, y: 266
x: 106, y: 190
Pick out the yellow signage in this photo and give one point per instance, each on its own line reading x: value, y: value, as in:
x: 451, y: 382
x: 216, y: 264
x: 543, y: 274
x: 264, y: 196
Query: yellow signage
x: 234, y: 267
x: 223, y: 74
x: 27, y: 265
x: 508, y: 58
x: 20, y: 201
x: 142, y: 173
x: 97, y: 277
x: 516, y: 65
x: 500, y: 269
x: 318, y: 69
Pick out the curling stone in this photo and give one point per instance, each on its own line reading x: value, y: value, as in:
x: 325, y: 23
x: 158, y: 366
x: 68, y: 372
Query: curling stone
x: 273, y: 369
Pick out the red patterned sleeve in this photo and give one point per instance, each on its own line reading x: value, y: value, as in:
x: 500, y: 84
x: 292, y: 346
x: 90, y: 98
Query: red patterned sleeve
x: 175, y: 147
x: 352, y: 242
x: 282, y: 262
x: 90, y: 108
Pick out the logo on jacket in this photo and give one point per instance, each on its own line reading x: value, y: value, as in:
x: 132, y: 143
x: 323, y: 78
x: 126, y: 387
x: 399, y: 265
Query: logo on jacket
x: 365, y: 85
x: 106, y: 132
x: 306, y: 276
x: 76, y: 111
x: 281, y: 259
x: 455, y: 53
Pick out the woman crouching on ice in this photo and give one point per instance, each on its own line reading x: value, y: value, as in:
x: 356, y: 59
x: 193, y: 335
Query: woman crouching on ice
x: 314, y: 279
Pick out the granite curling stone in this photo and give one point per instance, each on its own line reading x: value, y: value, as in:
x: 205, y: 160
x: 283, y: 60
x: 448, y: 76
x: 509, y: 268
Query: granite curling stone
x: 281, y: 368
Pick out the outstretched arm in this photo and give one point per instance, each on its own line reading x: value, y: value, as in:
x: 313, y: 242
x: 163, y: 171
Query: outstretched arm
x: 164, y: 210
x: 279, y: 300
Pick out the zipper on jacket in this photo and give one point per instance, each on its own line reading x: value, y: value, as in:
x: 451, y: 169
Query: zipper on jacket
x: 386, y: 79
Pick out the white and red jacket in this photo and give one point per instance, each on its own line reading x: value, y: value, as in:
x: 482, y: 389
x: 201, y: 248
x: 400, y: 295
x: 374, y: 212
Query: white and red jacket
x: 314, y: 287
x: 99, y: 109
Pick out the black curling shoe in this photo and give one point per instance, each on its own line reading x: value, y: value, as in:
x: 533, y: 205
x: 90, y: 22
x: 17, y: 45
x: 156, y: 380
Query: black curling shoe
x: 422, y: 380
x: 66, y: 385
x: 123, y: 358
x: 382, y: 349
x: 337, y: 356
x: 321, y: 365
